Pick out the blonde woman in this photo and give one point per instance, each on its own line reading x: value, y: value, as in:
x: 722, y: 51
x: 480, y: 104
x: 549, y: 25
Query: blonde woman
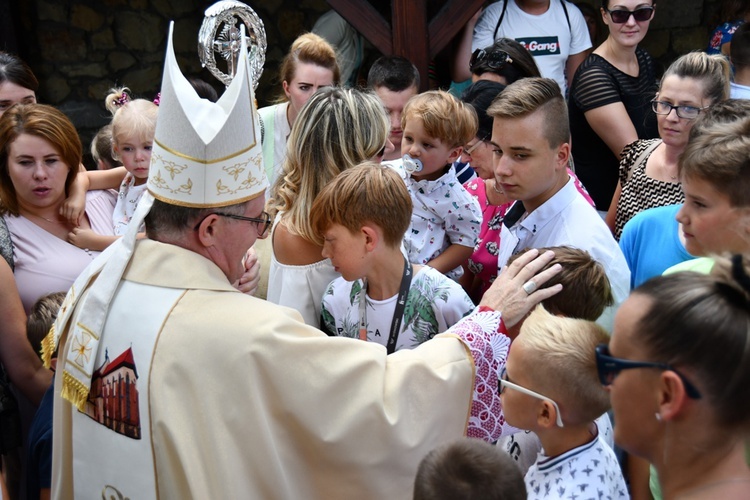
x: 337, y: 129
x: 309, y: 65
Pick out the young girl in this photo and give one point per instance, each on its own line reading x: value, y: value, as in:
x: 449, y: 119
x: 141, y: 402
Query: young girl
x: 133, y: 127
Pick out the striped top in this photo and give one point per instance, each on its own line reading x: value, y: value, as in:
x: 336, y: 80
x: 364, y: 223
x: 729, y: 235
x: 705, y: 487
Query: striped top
x: 598, y: 83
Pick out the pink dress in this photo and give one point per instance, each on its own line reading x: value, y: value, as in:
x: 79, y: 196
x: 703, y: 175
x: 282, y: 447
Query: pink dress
x: 43, y: 262
x: 483, y: 262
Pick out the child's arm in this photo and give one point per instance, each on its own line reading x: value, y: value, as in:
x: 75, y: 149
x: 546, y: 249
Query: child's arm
x: 451, y: 258
x: 87, y: 238
x: 75, y: 205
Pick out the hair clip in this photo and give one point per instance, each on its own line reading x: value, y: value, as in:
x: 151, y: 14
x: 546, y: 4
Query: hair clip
x: 157, y: 99
x: 738, y: 272
x: 122, y: 100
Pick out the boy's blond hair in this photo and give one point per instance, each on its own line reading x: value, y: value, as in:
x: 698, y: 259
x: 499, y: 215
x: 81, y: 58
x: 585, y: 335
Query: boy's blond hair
x: 367, y: 193
x: 443, y: 117
x: 562, y: 350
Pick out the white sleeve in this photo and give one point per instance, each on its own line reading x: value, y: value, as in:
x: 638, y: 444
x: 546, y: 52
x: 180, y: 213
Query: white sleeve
x: 484, y: 31
x: 579, y: 31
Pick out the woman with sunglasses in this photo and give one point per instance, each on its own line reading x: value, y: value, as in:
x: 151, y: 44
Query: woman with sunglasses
x: 609, y: 102
x: 648, y: 175
x: 678, y: 368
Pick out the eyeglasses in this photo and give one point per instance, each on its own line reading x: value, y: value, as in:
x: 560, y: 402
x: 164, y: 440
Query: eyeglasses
x: 470, y: 149
x: 495, y: 59
x: 264, y: 222
x: 609, y: 367
x: 503, y: 382
x: 621, y: 16
x: 686, y: 112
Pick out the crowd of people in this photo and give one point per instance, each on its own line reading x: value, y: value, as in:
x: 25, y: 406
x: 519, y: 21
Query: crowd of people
x: 534, y: 286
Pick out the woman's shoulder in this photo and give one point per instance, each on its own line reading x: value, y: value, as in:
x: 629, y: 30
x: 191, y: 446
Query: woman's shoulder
x: 293, y: 250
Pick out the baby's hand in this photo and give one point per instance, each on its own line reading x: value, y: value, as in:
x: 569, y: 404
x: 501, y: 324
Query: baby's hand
x: 248, y: 282
x: 73, y: 208
x: 82, y: 237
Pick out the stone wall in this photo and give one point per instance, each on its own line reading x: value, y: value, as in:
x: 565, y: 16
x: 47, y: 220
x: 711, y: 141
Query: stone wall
x: 80, y: 49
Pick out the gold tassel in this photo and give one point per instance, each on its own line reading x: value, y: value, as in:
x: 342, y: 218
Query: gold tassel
x: 74, y: 391
x: 49, y: 346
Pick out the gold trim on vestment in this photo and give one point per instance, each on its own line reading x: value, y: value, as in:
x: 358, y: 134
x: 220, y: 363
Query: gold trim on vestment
x: 179, y: 203
x: 205, y: 162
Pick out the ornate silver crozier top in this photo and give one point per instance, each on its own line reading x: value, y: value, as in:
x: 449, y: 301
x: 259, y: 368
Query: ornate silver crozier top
x: 220, y: 34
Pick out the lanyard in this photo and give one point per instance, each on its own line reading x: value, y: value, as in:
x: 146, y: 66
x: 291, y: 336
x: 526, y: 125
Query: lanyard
x: 397, y: 314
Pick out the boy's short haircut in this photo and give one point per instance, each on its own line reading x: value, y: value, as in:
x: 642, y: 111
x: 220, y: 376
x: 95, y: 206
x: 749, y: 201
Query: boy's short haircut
x: 739, y: 50
x: 443, y: 117
x: 468, y: 469
x: 562, y: 351
x: 367, y: 193
x: 528, y: 95
x: 586, y: 290
x: 718, y: 150
x: 395, y: 73
x: 43, y: 313
x: 101, y: 147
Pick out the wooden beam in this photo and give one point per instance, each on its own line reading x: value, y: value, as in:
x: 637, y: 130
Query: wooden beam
x: 367, y: 20
x: 449, y: 21
x: 410, y: 35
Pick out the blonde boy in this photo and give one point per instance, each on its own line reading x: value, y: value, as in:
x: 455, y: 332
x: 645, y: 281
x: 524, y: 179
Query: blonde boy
x: 446, y: 218
x: 361, y: 216
x: 550, y: 387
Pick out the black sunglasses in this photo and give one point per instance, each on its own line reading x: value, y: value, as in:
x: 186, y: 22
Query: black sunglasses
x: 609, y: 367
x: 621, y: 16
x: 495, y: 59
x: 264, y: 222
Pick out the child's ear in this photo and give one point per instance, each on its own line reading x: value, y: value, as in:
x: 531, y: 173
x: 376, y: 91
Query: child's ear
x: 372, y: 237
x: 454, y: 154
x: 547, y: 415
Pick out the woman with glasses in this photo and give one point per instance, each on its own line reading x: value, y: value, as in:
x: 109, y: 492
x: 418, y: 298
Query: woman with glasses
x: 648, y: 175
x: 678, y: 369
x: 505, y: 61
x: 609, y: 100
x: 335, y: 130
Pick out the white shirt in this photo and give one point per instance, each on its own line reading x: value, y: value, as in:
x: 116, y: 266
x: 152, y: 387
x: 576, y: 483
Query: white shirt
x: 589, y: 471
x: 737, y: 91
x: 525, y: 446
x: 568, y: 219
x: 547, y: 35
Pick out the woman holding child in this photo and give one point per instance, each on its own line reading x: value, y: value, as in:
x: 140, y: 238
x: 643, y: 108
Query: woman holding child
x: 39, y: 157
x: 337, y: 129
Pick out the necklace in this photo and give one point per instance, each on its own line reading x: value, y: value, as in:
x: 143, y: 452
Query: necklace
x: 714, y: 484
x: 50, y: 220
x: 495, y: 189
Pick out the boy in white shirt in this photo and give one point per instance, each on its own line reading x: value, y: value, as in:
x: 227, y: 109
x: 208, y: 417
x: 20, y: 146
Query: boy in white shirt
x: 381, y: 297
x: 550, y: 387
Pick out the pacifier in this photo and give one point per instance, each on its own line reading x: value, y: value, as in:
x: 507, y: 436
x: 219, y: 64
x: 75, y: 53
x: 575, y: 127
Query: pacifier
x: 412, y: 165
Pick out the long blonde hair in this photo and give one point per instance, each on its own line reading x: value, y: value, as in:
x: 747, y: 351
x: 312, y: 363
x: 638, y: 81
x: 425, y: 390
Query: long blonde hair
x: 335, y: 130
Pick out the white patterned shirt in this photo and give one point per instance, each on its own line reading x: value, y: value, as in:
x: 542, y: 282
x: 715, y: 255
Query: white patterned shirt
x: 587, y: 472
x: 444, y: 214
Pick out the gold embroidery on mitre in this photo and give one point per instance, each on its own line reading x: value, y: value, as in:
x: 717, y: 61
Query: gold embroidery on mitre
x: 236, y: 169
x: 158, y: 181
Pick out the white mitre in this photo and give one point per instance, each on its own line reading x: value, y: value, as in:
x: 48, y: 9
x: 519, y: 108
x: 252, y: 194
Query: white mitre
x: 205, y: 155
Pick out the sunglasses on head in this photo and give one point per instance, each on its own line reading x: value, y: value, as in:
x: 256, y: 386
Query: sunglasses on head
x: 609, y: 367
x: 495, y: 59
x: 621, y: 16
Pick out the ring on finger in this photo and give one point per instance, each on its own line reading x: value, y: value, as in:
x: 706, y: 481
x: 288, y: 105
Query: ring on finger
x: 529, y: 287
